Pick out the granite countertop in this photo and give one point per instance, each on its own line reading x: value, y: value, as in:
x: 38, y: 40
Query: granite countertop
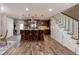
x: 43, y: 28
x: 39, y: 28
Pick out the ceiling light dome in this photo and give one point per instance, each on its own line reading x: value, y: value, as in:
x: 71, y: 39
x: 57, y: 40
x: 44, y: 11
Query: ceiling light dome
x: 50, y: 9
x: 27, y: 9
x: 2, y: 8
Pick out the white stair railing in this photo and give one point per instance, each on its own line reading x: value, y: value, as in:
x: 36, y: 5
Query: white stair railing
x: 69, y: 24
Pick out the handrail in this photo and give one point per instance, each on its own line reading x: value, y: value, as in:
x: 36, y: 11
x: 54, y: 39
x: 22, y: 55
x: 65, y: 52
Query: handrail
x: 73, y: 19
x: 69, y: 16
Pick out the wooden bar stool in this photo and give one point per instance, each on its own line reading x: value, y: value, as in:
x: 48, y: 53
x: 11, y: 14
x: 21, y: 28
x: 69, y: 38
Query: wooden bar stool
x: 41, y: 35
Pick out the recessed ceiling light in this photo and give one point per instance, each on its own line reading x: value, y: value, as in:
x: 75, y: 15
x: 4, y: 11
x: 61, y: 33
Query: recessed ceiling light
x: 27, y: 9
x: 2, y: 8
x: 50, y: 9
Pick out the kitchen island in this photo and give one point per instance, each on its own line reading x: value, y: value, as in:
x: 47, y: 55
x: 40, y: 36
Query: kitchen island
x: 34, y: 34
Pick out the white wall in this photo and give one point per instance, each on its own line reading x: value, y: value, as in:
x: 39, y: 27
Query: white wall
x: 63, y: 37
x: 18, y: 23
x: 0, y: 24
x: 4, y: 24
x: 10, y: 27
x: 7, y: 23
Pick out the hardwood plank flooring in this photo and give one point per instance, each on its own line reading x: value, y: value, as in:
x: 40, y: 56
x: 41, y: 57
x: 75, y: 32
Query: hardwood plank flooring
x: 47, y: 47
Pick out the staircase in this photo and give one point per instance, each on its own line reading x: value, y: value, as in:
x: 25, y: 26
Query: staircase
x: 65, y: 30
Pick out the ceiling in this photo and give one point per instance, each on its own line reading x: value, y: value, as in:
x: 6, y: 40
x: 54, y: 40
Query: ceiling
x: 37, y: 10
x: 73, y: 12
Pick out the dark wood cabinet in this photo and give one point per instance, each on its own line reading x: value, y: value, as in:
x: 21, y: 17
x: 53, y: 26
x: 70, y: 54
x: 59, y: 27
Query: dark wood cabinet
x: 44, y: 23
x: 32, y: 35
x: 35, y: 35
x: 39, y: 22
x: 46, y: 32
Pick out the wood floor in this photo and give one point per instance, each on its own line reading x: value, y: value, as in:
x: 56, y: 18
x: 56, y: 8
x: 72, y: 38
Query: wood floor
x: 48, y: 47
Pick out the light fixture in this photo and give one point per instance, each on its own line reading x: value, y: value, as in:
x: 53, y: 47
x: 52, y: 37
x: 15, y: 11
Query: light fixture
x: 2, y: 8
x: 50, y: 9
x: 27, y: 9
x: 22, y: 17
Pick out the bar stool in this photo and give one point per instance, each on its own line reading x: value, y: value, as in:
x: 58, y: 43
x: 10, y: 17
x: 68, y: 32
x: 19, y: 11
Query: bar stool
x: 41, y: 35
x: 26, y: 34
x: 30, y: 35
x: 36, y: 35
